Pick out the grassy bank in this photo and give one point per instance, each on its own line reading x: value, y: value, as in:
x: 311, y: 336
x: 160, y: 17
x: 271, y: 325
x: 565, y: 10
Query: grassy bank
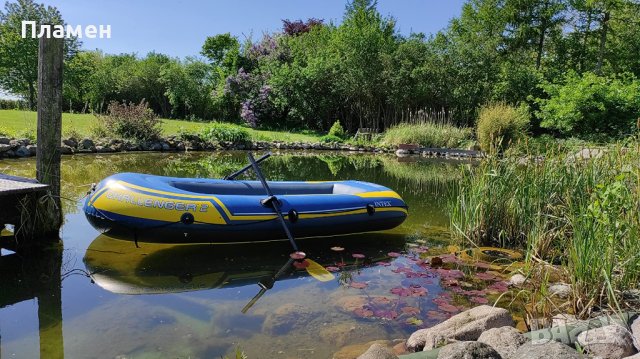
x: 582, y: 213
x: 17, y: 122
x: 428, y: 135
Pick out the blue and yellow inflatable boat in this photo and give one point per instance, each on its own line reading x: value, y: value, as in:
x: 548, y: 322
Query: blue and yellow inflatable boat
x: 188, y: 210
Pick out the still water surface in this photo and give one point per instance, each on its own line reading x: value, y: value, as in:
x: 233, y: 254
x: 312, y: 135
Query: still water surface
x: 103, y: 298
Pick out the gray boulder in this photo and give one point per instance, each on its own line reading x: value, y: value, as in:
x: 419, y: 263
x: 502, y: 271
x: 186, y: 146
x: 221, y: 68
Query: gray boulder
x: 467, y: 325
x: 4, y: 140
x: 32, y: 149
x: 560, y: 290
x: 635, y: 331
x: 505, y: 340
x: 608, y: 342
x: 378, y: 351
x: 66, y: 150
x: 71, y: 142
x: 546, y: 349
x: 468, y: 350
x: 86, y: 145
x: 22, y: 151
x: 4, y: 147
x: 517, y: 280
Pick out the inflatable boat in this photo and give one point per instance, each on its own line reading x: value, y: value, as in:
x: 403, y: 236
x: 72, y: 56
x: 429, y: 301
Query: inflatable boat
x: 160, y: 209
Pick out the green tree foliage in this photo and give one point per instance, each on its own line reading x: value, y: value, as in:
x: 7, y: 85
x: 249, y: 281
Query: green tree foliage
x: 591, y: 106
x: 19, y: 56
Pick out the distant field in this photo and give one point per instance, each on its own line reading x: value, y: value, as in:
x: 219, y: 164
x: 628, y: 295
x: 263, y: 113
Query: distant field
x: 16, y: 122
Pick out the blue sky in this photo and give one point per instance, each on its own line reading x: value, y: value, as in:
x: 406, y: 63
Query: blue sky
x: 179, y: 27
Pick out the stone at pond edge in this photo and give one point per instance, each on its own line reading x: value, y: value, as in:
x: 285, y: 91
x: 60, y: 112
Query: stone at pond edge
x: 288, y: 317
x: 546, y: 349
x: 467, y: 325
x: 505, y: 340
x: 559, y: 320
x: 355, y: 350
x: 378, y: 351
x: 22, y: 151
x: 635, y: 331
x: 608, y: 342
x: 560, y: 290
x: 468, y: 350
x: 517, y: 280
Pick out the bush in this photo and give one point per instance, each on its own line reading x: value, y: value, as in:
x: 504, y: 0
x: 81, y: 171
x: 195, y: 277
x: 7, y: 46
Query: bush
x: 499, y: 125
x: 330, y: 138
x: 229, y: 132
x: 131, y: 121
x: 336, y: 130
x: 7, y: 104
x: 427, y: 134
x: 591, y: 106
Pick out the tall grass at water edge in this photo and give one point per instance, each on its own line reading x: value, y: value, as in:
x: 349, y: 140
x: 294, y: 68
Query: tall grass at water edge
x: 582, y: 213
x: 428, y: 134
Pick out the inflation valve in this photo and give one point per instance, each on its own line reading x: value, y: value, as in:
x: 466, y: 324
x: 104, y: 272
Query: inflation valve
x: 187, y: 218
x: 371, y: 209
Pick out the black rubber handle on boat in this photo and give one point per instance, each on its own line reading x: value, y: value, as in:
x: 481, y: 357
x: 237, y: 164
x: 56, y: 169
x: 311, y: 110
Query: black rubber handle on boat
x: 275, y: 204
x: 245, y: 168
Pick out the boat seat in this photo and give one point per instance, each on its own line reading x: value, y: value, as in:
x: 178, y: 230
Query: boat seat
x: 253, y: 188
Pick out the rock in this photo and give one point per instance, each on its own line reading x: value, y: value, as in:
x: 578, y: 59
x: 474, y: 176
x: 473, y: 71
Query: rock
x: 66, y: 150
x: 378, y: 351
x: 468, y: 350
x: 587, y: 153
x: 560, y: 320
x: 22, y: 151
x: 288, y: 317
x: 4, y: 147
x: 505, y: 340
x: 341, y: 334
x: 546, y: 349
x: 104, y: 149
x: 634, y: 356
x: 4, y: 140
x: 561, y: 290
x: 635, y: 330
x: 71, y: 142
x: 86, y: 145
x: 355, y: 350
x: 165, y: 146
x: 517, y: 280
x: 24, y: 141
x: 467, y: 325
x: 32, y: 149
x: 608, y: 342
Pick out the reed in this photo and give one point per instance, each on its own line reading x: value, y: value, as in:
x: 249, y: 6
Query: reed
x: 428, y: 134
x: 560, y: 208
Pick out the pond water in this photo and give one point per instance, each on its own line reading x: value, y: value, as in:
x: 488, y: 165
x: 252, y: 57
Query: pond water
x: 98, y: 297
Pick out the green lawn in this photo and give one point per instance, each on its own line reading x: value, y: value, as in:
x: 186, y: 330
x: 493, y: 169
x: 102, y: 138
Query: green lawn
x: 16, y: 122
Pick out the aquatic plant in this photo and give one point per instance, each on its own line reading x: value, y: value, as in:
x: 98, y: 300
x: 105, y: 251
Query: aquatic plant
x: 565, y: 208
x: 427, y: 134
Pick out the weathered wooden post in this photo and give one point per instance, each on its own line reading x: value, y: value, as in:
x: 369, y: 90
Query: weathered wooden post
x: 50, y: 63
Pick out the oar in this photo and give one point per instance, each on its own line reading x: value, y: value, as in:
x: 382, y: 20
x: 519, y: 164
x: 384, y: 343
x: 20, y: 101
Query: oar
x: 266, y: 284
x: 245, y: 168
x: 318, y: 272
x: 272, y: 200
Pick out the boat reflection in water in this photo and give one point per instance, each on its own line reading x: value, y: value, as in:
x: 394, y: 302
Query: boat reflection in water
x: 120, y: 267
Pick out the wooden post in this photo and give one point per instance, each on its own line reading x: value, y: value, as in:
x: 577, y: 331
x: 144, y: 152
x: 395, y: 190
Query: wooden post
x: 50, y: 62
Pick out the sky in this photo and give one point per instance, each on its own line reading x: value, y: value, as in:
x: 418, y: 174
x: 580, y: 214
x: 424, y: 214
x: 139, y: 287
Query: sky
x: 179, y: 27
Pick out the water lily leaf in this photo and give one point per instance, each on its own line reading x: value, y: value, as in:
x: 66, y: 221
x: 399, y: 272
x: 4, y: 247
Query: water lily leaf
x: 337, y: 249
x: 479, y: 300
x: 358, y: 285
x: 435, y: 315
x: 357, y: 255
x: 301, y: 264
x: 332, y: 269
x: 485, y: 276
x: 410, y: 310
x: 384, y: 264
x: 363, y: 312
x: 414, y: 321
x: 394, y: 254
x: 448, y: 308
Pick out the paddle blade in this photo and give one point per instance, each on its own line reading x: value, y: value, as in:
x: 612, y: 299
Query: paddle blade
x: 318, y: 272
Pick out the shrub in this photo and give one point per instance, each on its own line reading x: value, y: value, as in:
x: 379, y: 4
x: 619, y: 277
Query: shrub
x: 427, y: 134
x: 229, y: 132
x: 28, y: 134
x: 591, y: 106
x: 336, y: 130
x: 499, y: 125
x: 131, y: 121
x: 330, y: 138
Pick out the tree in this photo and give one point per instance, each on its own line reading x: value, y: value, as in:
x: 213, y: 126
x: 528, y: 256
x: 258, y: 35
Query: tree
x: 222, y: 50
x: 18, y: 56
